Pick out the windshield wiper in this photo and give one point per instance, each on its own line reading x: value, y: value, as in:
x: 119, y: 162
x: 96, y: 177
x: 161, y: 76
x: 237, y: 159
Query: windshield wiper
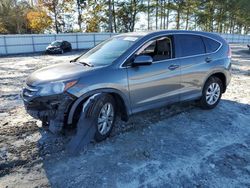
x: 73, y: 60
x: 84, y: 63
x: 87, y: 64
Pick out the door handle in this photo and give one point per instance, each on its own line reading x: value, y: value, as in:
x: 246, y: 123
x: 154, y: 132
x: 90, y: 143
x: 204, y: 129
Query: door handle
x: 173, y: 67
x: 208, y: 59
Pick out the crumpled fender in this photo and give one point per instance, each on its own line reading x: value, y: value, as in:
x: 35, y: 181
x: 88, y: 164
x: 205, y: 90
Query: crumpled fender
x: 86, y: 127
x: 91, y: 93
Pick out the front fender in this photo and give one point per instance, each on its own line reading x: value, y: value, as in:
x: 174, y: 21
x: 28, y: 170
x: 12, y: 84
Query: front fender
x: 90, y: 93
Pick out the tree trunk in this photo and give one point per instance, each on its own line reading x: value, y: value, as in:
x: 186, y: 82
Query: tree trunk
x: 231, y: 25
x: 148, y: 13
x: 18, y: 29
x: 134, y: 12
x: 79, y: 15
x: 156, y: 15
x: 187, y: 19
x: 245, y: 30
x: 195, y: 23
x: 168, y: 15
x: 55, y: 17
x: 110, y: 17
x: 240, y: 29
x: 161, y: 15
x: 164, y: 14
x: 114, y: 16
x: 178, y: 18
x: 211, y: 13
x: 219, y: 21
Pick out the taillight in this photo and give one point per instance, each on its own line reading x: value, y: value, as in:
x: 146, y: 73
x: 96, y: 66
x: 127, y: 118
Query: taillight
x: 229, y: 53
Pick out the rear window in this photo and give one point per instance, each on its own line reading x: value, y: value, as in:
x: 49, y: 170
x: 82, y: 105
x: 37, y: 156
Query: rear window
x: 190, y: 45
x: 211, y: 45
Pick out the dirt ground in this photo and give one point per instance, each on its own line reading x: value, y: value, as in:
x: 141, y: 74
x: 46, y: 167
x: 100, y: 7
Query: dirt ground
x: 176, y: 146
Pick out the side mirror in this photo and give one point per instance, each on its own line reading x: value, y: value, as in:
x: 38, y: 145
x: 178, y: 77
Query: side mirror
x: 142, y: 60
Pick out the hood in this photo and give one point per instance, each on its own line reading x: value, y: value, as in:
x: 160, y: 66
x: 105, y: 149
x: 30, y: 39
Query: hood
x: 58, y: 72
x: 50, y: 47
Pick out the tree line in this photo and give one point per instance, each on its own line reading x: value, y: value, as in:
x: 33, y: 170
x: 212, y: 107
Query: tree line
x: 223, y: 16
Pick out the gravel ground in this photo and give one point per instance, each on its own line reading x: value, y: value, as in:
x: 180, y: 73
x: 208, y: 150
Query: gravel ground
x: 176, y: 146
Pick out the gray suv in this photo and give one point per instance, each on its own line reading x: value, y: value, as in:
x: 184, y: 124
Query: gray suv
x: 130, y: 73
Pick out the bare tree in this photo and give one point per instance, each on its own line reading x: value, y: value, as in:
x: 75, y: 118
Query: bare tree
x: 114, y: 16
x: 156, y: 14
x: 148, y: 10
x: 110, y: 17
x: 80, y: 5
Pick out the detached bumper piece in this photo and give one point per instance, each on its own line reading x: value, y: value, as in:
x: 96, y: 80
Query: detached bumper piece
x: 86, y: 127
x: 50, y: 110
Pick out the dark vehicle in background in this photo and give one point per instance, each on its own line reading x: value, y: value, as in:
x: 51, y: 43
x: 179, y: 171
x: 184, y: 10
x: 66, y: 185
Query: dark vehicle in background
x: 58, y: 47
x: 248, y: 46
x: 131, y: 73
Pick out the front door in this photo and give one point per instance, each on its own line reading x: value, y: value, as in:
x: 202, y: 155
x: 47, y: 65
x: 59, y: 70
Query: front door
x: 156, y: 84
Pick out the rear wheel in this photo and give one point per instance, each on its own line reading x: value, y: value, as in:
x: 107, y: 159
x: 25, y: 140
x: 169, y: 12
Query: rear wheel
x: 211, y: 93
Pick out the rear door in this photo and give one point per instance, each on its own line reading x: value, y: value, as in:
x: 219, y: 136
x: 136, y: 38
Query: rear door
x: 156, y: 84
x: 191, y: 52
x: 65, y: 45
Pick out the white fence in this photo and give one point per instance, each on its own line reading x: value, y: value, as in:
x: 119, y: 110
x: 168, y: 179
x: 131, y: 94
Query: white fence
x: 236, y: 38
x: 17, y: 44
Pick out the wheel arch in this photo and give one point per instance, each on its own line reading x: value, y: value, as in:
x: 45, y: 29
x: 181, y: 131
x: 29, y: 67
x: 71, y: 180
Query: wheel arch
x: 121, y: 101
x: 219, y: 75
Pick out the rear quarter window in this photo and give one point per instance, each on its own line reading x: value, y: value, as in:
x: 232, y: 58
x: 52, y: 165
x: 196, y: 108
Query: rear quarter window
x: 211, y: 45
x: 190, y: 45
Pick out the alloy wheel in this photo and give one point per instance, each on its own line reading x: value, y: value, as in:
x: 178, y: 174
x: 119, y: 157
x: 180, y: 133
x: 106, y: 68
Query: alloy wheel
x: 105, y: 118
x: 212, y: 93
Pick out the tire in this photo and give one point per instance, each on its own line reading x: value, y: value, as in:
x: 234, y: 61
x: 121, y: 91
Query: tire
x: 211, y: 93
x: 96, y: 112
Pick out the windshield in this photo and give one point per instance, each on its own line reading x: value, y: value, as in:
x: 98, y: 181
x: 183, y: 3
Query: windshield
x: 56, y: 43
x: 107, y: 52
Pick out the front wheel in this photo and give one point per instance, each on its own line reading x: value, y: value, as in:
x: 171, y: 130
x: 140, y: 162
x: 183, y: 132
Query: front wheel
x: 211, y: 93
x: 103, y: 112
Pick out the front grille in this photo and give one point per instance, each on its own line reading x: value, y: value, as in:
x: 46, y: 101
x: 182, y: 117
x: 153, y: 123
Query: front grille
x: 29, y: 92
x: 53, y: 49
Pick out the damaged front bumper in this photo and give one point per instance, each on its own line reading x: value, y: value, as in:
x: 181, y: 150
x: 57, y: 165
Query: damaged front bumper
x: 47, y: 108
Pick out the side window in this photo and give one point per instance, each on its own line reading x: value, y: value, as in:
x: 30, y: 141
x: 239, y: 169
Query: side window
x: 159, y: 49
x: 190, y: 45
x: 148, y: 49
x: 211, y: 45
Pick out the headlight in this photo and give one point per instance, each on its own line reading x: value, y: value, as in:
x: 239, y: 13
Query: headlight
x: 55, y: 88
